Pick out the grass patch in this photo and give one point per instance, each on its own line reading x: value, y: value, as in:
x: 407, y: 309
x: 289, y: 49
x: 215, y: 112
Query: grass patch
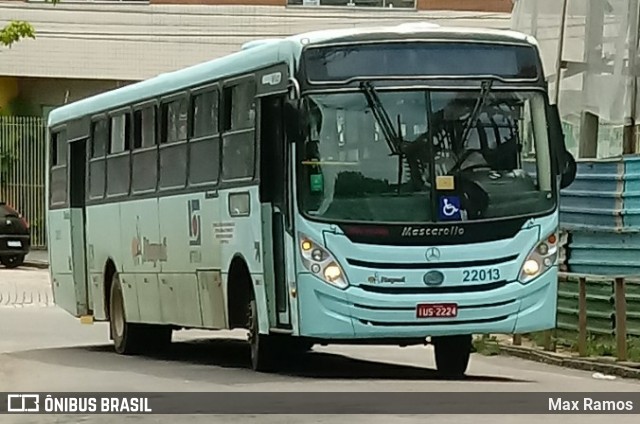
x: 487, y: 346
x: 597, y: 345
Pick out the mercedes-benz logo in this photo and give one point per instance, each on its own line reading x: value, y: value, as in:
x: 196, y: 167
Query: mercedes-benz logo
x: 432, y: 254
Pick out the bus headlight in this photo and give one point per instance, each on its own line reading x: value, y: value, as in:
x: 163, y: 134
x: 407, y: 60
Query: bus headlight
x: 321, y: 263
x: 540, y: 259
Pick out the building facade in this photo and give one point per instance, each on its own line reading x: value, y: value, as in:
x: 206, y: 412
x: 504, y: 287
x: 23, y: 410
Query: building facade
x: 85, y: 47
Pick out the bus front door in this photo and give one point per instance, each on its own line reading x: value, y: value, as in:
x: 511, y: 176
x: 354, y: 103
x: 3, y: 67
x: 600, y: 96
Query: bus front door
x: 278, y: 252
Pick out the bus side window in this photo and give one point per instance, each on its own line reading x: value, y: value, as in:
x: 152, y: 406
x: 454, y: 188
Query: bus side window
x: 144, y: 170
x: 173, y: 143
x: 58, y: 193
x: 97, y: 167
x: 238, y: 148
x: 204, y: 141
x: 118, y: 174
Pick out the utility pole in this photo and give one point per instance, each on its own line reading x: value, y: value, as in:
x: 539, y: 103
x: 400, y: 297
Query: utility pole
x: 594, y: 28
x: 630, y: 129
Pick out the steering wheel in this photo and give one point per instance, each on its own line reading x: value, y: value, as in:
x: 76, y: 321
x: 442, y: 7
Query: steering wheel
x: 477, y: 166
x: 460, y: 161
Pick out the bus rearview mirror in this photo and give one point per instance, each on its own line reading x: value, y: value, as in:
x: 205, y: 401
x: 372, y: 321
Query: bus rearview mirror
x: 569, y: 171
x: 567, y: 167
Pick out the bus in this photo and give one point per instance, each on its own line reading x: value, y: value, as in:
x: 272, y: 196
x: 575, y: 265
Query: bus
x: 392, y: 186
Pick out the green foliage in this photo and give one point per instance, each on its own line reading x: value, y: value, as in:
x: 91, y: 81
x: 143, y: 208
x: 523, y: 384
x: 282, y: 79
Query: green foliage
x: 19, y: 107
x: 597, y: 345
x: 487, y: 346
x: 14, y: 31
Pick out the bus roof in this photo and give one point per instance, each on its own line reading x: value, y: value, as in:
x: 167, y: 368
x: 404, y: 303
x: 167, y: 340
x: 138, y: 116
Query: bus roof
x: 261, y: 53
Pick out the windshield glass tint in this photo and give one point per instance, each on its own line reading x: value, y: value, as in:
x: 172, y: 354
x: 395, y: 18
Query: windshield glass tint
x: 340, y: 63
x: 462, y: 156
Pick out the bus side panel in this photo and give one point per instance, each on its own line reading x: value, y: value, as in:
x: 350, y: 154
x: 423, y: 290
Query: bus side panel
x: 64, y: 291
x: 140, y: 253
x: 181, y: 234
x: 241, y: 234
x: 210, y: 289
x: 103, y: 244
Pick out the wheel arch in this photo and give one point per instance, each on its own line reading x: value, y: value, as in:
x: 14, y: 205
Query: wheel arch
x: 240, y: 291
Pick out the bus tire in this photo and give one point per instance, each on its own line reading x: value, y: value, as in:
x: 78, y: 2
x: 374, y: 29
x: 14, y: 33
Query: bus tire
x: 158, y: 336
x: 263, y: 347
x: 127, y: 337
x: 297, y: 346
x: 452, y: 354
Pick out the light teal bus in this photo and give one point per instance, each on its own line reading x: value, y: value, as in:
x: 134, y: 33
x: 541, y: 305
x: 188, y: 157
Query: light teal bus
x: 394, y: 185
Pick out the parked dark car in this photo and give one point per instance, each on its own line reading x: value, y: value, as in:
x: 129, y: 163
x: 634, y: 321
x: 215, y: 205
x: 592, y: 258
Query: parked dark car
x: 15, y: 237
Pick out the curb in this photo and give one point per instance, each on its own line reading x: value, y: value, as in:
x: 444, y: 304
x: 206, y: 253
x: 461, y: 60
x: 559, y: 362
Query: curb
x: 575, y: 363
x: 38, y: 265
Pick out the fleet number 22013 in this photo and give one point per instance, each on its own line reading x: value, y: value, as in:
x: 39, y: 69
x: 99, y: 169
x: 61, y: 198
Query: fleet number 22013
x: 491, y: 274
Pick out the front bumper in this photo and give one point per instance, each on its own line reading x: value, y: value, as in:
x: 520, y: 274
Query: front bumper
x: 326, y: 312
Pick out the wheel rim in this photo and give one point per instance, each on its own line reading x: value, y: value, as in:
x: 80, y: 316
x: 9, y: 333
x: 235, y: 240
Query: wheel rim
x: 118, y: 316
x: 253, y: 332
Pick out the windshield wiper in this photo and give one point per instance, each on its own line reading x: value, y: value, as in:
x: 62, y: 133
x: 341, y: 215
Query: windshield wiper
x: 485, y: 89
x: 393, y: 138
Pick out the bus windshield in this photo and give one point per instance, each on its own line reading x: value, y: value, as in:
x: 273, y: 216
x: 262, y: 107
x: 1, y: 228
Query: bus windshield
x: 439, y: 156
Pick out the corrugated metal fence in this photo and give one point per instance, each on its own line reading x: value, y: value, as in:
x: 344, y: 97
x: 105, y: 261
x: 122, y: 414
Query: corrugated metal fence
x: 600, y: 213
x: 22, y: 171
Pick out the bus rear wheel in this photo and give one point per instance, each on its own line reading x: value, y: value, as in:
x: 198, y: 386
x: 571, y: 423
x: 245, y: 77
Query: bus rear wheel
x: 129, y: 338
x: 452, y: 355
x: 126, y: 336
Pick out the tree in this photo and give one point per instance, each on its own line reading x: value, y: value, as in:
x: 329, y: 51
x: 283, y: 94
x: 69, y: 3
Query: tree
x: 15, y: 31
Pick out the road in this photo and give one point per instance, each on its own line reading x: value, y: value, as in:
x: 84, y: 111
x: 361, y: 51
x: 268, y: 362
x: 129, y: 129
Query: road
x: 44, y: 349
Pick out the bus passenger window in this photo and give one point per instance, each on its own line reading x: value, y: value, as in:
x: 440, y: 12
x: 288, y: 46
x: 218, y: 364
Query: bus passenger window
x: 174, y: 121
x: 239, y: 106
x: 59, y: 148
x: 119, y: 134
x: 100, y: 137
x: 144, y: 122
x: 204, y: 109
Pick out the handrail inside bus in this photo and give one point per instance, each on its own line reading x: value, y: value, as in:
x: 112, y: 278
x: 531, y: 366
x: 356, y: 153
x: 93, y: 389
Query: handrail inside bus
x: 296, y: 87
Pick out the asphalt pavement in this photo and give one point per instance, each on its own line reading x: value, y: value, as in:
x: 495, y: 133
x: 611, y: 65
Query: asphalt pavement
x: 42, y: 348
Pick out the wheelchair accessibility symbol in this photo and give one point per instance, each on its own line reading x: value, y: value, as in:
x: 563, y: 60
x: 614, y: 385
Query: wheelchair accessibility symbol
x: 449, y: 208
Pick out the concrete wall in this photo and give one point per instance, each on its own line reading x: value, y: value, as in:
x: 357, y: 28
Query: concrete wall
x: 134, y: 42
x: 48, y: 92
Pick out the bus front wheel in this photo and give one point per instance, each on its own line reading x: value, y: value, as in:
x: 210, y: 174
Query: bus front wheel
x: 452, y: 355
x: 263, y: 347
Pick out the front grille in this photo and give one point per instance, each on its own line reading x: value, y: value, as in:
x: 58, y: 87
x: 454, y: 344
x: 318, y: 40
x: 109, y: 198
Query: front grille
x: 413, y: 308
x: 437, y: 290
x: 431, y: 323
x: 431, y: 265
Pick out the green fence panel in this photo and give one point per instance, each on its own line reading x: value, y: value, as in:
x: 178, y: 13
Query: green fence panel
x: 600, y: 317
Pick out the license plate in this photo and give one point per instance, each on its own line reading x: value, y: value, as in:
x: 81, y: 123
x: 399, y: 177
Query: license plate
x: 438, y: 310
x: 14, y: 244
